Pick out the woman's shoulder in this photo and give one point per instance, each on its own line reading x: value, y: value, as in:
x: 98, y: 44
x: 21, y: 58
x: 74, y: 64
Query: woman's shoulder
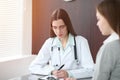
x: 112, y: 50
x: 113, y: 47
x: 79, y: 37
x: 114, y: 44
x: 49, y: 40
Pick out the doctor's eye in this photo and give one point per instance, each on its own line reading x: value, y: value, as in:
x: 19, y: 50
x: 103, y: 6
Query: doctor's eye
x: 54, y: 27
x: 62, y: 26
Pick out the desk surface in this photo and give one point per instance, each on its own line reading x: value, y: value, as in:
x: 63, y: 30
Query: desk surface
x: 35, y: 77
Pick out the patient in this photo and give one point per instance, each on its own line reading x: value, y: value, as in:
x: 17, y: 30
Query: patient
x: 108, y: 58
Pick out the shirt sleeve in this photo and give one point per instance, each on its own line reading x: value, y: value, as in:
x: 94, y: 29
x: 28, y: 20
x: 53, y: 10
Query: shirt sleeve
x: 40, y: 64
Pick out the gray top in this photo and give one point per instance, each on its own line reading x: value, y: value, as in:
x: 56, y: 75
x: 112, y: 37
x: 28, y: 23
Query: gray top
x: 108, y: 62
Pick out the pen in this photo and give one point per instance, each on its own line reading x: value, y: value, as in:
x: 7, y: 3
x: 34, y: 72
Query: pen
x: 61, y: 67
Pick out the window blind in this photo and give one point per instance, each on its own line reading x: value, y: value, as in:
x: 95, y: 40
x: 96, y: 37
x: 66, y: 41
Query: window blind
x: 11, y: 27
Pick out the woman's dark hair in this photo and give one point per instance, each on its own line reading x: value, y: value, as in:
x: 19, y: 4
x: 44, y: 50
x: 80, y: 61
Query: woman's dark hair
x: 61, y: 14
x: 110, y: 9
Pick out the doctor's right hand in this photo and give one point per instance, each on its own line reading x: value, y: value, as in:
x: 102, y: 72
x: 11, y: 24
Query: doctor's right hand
x: 60, y: 74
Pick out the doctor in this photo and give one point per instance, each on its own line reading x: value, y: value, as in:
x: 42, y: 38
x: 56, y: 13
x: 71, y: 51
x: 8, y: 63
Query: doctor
x: 63, y: 48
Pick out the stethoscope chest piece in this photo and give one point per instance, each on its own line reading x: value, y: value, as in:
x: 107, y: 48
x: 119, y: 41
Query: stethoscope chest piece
x: 77, y: 62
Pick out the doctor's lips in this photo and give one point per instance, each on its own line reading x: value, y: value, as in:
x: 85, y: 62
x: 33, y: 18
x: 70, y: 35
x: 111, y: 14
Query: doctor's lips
x: 60, y: 35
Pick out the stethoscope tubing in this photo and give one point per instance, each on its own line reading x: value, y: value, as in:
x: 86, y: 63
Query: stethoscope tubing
x: 75, y: 52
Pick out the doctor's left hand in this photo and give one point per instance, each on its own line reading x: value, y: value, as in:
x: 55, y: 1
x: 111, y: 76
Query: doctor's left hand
x: 60, y: 73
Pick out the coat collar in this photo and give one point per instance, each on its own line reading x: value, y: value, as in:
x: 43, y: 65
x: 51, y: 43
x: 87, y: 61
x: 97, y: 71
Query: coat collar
x: 56, y: 42
x: 112, y: 37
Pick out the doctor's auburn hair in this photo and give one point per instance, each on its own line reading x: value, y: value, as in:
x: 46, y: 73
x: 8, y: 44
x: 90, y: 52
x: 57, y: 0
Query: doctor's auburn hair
x: 61, y: 14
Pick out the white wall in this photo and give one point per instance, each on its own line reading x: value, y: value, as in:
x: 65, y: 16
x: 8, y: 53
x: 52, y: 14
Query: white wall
x: 15, y: 68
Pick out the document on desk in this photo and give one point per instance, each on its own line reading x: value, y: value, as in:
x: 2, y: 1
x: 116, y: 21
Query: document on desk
x: 84, y: 74
x: 42, y: 77
x: 36, y: 76
x: 84, y: 79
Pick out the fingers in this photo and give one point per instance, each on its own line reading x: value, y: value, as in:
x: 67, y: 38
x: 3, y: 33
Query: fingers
x: 55, y: 72
x: 60, y: 73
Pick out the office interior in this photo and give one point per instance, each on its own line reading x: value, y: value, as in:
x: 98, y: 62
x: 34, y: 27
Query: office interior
x: 36, y: 20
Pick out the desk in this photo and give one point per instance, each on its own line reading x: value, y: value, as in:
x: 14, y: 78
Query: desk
x: 35, y: 77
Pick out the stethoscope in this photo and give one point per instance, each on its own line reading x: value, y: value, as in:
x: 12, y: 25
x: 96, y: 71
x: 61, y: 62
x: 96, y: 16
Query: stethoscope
x: 75, y: 53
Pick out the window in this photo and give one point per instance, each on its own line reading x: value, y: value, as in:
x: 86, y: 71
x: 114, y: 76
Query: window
x: 15, y: 27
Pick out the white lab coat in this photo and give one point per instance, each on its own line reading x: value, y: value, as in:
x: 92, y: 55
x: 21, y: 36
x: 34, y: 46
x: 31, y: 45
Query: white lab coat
x: 56, y: 57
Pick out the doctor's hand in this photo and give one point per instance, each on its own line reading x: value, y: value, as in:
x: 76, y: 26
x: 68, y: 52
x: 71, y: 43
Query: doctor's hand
x: 60, y: 73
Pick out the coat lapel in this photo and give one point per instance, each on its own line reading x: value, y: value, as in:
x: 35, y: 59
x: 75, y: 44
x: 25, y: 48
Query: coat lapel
x: 67, y: 52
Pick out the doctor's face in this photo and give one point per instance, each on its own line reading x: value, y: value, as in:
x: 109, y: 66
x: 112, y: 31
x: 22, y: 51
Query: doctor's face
x: 59, y: 28
x: 103, y: 24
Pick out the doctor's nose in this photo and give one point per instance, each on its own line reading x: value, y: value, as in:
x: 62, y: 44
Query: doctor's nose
x: 58, y: 31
